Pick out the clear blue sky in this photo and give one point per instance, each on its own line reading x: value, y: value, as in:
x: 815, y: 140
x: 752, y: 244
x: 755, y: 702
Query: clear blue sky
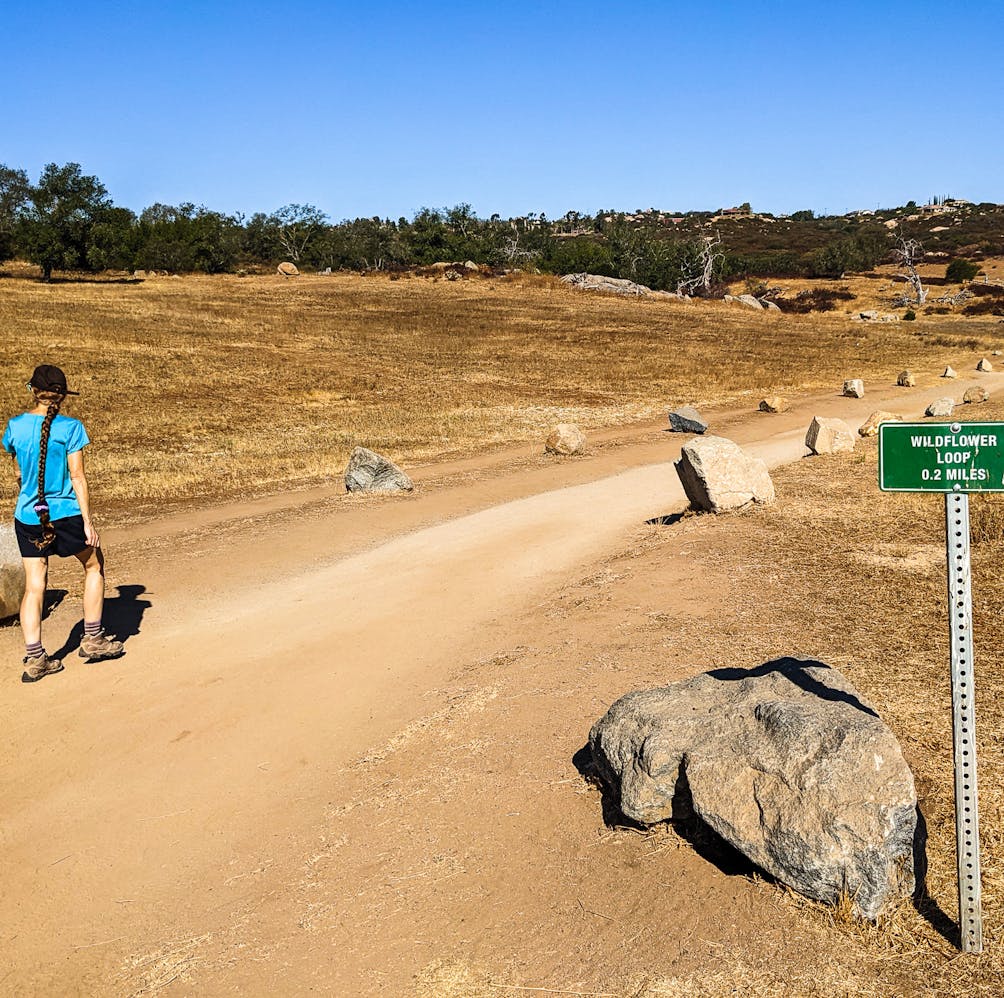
x: 381, y: 108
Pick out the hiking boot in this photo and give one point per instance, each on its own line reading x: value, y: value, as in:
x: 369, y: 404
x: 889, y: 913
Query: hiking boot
x: 39, y: 666
x: 95, y: 648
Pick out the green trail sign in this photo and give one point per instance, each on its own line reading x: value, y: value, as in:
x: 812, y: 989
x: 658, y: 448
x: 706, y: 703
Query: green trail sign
x: 941, y: 457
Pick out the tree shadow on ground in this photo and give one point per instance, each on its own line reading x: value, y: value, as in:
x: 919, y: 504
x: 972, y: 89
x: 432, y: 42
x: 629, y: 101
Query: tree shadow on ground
x: 122, y: 617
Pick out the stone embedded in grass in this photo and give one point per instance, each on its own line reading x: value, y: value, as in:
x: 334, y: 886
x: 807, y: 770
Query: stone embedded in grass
x: 940, y: 407
x: 287, y: 269
x: 565, y: 439
x: 870, y: 427
x: 748, y: 300
x: 976, y: 394
x: 773, y: 403
x: 717, y: 475
x: 906, y: 379
x: 854, y: 388
x: 11, y: 573
x: 984, y: 366
x: 785, y: 762
x: 687, y: 419
x: 949, y: 373
x: 829, y: 436
x: 772, y: 306
x: 870, y: 313
x: 368, y: 471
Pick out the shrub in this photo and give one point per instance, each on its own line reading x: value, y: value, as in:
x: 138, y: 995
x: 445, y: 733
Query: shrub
x: 814, y: 300
x: 910, y: 315
x: 959, y: 271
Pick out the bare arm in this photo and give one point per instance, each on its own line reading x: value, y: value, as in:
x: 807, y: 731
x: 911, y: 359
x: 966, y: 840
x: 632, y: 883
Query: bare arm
x: 75, y: 463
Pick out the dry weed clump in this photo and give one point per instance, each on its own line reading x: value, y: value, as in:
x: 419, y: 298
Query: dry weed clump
x: 200, y: 388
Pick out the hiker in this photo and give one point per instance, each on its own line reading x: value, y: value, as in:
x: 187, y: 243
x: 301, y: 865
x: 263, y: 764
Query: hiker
x: 53, y: 516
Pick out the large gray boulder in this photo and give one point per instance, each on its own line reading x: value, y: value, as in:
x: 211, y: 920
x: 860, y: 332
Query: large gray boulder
x: 687, y: 419
x: 717, y: 475
x: 11, y: 573
x: 368, y: 471
x: 940, y: 407
x: 786, y: 762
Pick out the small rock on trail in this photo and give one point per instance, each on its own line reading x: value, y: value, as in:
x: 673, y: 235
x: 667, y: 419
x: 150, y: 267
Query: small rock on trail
x: 906, y: 379
x: 368, y: 471
x: 717, y: 475
x: 565, y: 439
x: 829, y: 436
x: 774, y: 403
x: 854, y: 388
x: 687, y: 419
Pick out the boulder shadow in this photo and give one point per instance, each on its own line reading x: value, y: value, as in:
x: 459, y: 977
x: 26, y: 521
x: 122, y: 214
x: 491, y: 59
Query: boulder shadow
x: 666, y: 520
x: 794, y: 670
x: 703, y: 839
x: 123, y: 615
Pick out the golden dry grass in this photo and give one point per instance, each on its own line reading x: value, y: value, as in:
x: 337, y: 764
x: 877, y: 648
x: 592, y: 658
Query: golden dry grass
x: 211, y: 387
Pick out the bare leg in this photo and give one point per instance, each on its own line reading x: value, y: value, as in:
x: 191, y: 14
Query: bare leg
x: 94, y: 583
x: 36, y: 572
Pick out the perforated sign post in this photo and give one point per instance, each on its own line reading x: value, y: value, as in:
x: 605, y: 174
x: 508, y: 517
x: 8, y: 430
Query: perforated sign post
x: 956, y: 459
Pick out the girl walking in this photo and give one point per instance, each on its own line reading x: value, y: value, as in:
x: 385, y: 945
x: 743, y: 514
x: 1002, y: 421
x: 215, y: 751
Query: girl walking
x: 53, y: 517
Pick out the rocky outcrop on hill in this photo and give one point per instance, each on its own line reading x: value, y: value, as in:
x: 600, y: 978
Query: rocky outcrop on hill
x: 616, y: 286
x: 785, y: 762
x: 368, y: 471
x: 565, y: 439
x: 717, y: 475
x: 748, y: 300
x: 11, y: 573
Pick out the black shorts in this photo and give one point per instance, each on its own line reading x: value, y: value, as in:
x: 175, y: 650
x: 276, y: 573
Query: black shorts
x: 69, y: 539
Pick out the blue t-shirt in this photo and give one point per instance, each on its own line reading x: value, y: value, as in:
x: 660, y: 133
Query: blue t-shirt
x: 66, y: 436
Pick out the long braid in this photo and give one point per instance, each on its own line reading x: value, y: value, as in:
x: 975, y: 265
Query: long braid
x: 41, y: 506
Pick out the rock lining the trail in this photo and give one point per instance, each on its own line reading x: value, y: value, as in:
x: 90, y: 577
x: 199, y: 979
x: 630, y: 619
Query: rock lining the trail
x: 565, y: 439
x: 717, y: 475
x: 368, y: 471
x: 687, y: 419
x: 11, y: 573
x: 854, y: 388
x: 906, y: 379
x: 773, y: 403
x: 785, y: 762
x: 984, y: 366
x: 829, y: 436
x: 975, y: 395
x: 949, y: 373
x: 940, y: 407
x: 870, y: 427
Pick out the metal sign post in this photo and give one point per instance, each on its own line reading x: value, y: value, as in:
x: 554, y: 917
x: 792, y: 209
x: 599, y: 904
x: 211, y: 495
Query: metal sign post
x: 967, y: 821
x: 955, y: 459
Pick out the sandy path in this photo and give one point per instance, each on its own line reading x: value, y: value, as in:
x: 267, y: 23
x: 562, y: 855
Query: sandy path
x: 263, y: 668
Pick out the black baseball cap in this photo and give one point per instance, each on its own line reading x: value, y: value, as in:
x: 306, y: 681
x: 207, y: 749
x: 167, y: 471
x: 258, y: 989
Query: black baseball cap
x: 48, y: 378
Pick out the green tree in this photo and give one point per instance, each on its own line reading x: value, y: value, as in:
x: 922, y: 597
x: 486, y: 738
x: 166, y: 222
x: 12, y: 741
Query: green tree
x: 65, y: 206
x: 295, y: 226
x: 14, y: 198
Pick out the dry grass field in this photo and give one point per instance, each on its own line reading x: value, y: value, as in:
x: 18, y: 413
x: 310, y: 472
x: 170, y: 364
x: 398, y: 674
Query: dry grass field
x: 200, y: 388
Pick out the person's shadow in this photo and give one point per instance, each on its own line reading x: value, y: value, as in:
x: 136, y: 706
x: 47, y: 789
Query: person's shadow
x: 122, y: 617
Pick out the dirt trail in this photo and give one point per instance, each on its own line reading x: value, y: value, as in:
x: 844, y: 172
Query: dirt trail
x: 281, y: 641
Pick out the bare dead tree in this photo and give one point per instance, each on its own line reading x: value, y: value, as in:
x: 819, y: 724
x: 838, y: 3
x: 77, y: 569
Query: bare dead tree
x: 708, y: 258
x: 908, y: 254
